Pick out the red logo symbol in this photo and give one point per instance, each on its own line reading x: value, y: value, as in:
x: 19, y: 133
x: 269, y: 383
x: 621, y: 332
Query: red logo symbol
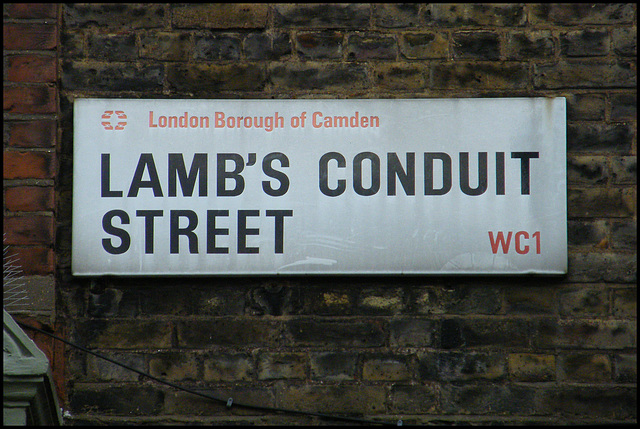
x: 106, y: 120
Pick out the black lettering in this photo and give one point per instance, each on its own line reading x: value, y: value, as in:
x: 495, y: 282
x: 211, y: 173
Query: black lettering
x: 524, y: 169
x: 243, y: 231
x: 407, y: 178
x: 279, y: 216
x: 429, y: 157
x: 148, y: 227
x: 145, y: 162
x: 375, y: 173
x: 105, y: 169
x: 177, y: 169
x: 176, y: 231
x: 212, y: 231
x: 499, y: 173
x: 279, y: 175
x: 324, y: 174
x: 118, y: 232
x: 482, y: 174
x: 223, y: 175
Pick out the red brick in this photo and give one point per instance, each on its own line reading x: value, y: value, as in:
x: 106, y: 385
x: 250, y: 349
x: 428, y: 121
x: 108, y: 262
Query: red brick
x: 31, y: 68
x: 27, y: 230
x: 32, y: 10
x: 28, y: 165
x: 29, y: 36
x: 29, y: 99
x: 29, y: 199
x: 32, y: 134
x: 35, y: 260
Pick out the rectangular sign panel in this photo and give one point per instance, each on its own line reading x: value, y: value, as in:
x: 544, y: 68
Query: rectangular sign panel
x: 227, y: 187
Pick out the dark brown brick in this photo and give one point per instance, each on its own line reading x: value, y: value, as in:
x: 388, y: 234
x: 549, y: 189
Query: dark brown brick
x: 322, y: 15
x: 480, y: 75
x: 316, y: 75
x: 29, y: 99
x: 32, y: 134
x: 228, y: 332
x: 321, y: 334
x: 115, y: 47
x: 29, y: 36
x: 584, y: 73
x: 216, y: 78
x: 585, y: 43
x: 585, y: 368
x: 480, y: 45
x: 29, y: 165
x: 219, y: 15
x: 29, y: 199
x: 107, y: 76
x: 32, y: 10
x: 32, y: 68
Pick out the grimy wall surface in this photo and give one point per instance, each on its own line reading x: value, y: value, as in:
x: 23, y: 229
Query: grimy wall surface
x: 422, y: 349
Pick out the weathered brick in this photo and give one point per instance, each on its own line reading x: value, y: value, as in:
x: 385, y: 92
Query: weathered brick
x: 400, y: 76
x: 480, y: 45
x: 396, y: 15
x: 583, y: 300
x: 120, y: 16
x: 599, y: 202
x: 500, y: 399
x: 411, y: 332
x: 585, y: 107
x: 227, y: 332
x: 72, y: 44
x: 174, y: 366
x: 220, y: 15
x: 480, y: 75
x: 624, y: 170
x: 262, y: 46
x: 31, y: 68
x: 176, y: 299
x: 581, y: 13
x: 522, y: 45
x: 126, y: 400
x: 626, y: 368
x: 587, y: 170
x: 29, y: 99
x: 123, y: 334
x: 333, y: 366
x: 216, y: 78
x: 380, y: 301
x: 32, y: 10
x: 456, y: 14
x: 219, y: 300
x: 332, y: 15
x: 99, y: 369
x: 28, y: 165
x: 274, y: 299
x: 414, y: 399
x: 344, y: 399
x: 459, y: 299
x: 597, y: 267
x: 29, y: 36
x: 625, y: 41
x: 107, y: 76
x: 217, y: 47
x: 386, y: 368
x: 585, y: 368
x: 32, y: 134
x: 585, y: 43
x: 585, y: 334
x: 624, y: 303
x: 457, y: 333
x: 29, y: 199
x: 584, y: 73
x: 623, y: 107
x: 115, y: 47
x: 532, y: 367
x: 624, y: 235
x: 530, y: 299
x: 30, y: 229
x: 368, y: 46
x: 184, y: 403
x: 467, y: 366
x: 319, y: 44
x: 424, y: 45
x: 111, y: 302
x: 277, y: 366
x: 228, y: 367
x: 600, y: 402
x: 34, y: 260
x: 316, y: 75
x: 338, y: 334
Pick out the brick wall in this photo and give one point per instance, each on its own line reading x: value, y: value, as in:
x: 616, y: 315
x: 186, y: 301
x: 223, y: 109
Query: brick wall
x: 424, y: 349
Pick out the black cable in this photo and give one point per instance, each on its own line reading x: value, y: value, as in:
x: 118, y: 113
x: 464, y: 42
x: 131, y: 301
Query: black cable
x: 229, y: 402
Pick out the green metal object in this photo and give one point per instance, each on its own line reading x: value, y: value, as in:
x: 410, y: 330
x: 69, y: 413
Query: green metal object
x: 28, y: 392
